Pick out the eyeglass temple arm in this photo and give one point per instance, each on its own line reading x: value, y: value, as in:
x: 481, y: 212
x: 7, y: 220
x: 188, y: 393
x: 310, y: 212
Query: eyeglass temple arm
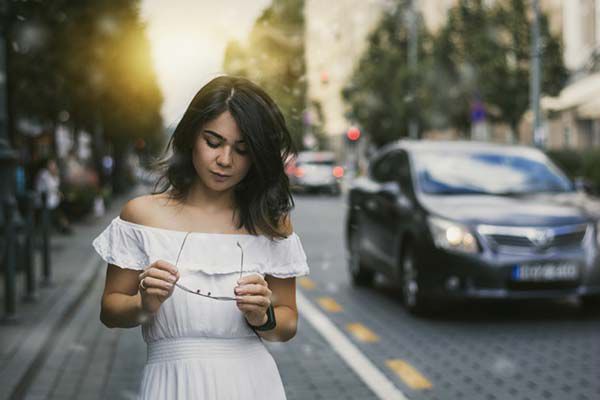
x: 242, y: 259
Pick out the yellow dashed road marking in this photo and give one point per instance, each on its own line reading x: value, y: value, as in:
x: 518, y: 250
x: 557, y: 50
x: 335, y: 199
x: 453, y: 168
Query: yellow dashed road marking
x: 329, y: 304
x: 362, y: 333
x: 307, y: 283
x: 409, y: 375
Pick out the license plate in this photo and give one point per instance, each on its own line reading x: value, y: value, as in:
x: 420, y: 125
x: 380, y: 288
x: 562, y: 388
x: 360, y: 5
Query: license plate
x: 546, y: 272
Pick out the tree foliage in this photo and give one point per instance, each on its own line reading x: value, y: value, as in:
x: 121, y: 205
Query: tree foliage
x: 509, y: 90
x: 88, y: 60
x: 273, y: 58
x: 380, y: 92
x: 481, y: 53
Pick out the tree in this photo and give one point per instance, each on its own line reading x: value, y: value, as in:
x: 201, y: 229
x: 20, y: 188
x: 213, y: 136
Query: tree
x: 463, y: 51
x: 510, y: 92
x: 86, y: 64
x: 486, y: 53
x: 274, y: 59
x: 379, y: 91
x: 481, y: 53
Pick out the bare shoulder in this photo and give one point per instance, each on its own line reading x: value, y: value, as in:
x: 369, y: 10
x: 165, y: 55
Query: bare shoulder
x: 143, y: 209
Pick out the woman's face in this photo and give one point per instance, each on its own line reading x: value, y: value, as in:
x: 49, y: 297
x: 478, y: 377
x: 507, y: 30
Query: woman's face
x: 220, y: 155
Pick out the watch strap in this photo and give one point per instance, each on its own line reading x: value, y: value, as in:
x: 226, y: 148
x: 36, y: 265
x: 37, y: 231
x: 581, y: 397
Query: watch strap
x: 270, y: 324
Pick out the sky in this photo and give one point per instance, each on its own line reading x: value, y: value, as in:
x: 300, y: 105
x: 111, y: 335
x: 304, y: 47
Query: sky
x: 188, y: 39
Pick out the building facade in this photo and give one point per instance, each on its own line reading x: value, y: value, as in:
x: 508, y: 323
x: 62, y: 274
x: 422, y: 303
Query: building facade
x: 573, y: 117
x: 335, y: 39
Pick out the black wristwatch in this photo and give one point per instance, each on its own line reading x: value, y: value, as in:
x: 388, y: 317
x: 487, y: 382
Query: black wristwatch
x: 270, y: 324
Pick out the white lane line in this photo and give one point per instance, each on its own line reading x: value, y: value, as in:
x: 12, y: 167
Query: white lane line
x: 360, y: 364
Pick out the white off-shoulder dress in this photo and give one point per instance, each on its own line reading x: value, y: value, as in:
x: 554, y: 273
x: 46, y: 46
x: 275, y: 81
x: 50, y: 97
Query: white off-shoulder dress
x: 200, y: 348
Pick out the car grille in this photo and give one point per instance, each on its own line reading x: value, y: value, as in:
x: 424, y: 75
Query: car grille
x: 534, y: 238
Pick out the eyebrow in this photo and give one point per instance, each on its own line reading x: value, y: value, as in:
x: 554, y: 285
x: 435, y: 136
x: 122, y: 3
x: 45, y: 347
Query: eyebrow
x: 213, y: 133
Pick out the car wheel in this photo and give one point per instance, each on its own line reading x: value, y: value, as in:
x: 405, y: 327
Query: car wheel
x: 412, y: 295
x: 591, y: 303
x: 361, y: 275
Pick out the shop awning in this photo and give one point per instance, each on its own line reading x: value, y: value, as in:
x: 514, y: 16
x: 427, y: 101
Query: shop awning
x: 583, y: 96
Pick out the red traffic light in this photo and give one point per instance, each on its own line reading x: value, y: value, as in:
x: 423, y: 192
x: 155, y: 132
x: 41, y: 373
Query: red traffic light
x: 353, y: 133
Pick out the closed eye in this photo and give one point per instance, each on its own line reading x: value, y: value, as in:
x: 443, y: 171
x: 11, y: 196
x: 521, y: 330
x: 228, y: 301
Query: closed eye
x: 212, y: 143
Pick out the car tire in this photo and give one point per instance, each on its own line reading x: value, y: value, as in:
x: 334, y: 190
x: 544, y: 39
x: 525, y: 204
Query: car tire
x: 412, y: 296
x: 591, y: 303
x: 359, y: 273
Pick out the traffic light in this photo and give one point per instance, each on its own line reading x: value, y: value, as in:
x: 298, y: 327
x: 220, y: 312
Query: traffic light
x: 353, y: 134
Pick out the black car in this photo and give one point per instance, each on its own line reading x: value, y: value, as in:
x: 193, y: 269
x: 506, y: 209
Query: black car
x: 469, y: 220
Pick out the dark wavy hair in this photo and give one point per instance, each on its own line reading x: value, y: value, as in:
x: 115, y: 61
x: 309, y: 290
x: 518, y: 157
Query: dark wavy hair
x: 263, y: 197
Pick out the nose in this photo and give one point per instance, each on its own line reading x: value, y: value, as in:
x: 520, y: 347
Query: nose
x: 224, y: 159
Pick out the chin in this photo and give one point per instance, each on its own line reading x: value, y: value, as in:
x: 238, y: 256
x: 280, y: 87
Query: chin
x: 220, y: 188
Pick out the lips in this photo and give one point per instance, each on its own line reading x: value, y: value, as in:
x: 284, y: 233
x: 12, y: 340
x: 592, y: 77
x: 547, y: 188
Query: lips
x: 223, y: 176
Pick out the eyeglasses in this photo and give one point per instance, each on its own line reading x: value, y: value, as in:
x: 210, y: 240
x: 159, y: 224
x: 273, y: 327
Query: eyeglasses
x: 198, y: 291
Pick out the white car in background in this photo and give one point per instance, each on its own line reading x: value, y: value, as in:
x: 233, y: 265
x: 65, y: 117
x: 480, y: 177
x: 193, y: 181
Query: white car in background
x: 315, y: 171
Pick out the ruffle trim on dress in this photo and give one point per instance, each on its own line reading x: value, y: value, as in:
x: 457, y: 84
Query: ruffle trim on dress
x: 121, y: 248
x: 134, y: 246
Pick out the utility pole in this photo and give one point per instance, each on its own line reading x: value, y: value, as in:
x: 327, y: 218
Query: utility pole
x: 413, y: 60
x: 535, y: 76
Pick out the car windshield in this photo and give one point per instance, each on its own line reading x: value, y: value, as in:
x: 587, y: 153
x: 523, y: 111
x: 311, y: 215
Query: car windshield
x: 485, y: 172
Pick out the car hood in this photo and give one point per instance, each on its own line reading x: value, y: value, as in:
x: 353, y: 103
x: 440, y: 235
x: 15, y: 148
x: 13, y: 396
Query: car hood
x: 521, y: 210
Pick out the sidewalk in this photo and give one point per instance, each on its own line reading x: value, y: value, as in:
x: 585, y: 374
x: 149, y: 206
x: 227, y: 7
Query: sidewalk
x: 25, y: 342
x: 60, y: 350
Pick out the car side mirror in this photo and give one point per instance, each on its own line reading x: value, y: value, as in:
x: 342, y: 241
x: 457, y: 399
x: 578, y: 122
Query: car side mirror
x: 391, y: 190
x: 583, y: 185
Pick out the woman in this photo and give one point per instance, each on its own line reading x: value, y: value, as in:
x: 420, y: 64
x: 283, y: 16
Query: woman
x: 48, y: 181
x: 207, y: 264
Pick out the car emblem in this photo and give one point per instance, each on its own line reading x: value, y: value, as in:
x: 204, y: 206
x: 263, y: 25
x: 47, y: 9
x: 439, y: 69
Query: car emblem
x: 541, y: 238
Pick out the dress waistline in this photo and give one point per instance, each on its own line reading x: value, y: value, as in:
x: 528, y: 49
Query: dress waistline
x: 174, y: 349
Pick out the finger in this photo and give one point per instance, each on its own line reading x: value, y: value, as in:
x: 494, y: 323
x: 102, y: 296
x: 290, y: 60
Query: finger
x: 253, y: 289
x: 255, y: 300
x: 252, y: 279
x: 158, y: 292
x: 161, y: 274
x: 151, y: 282
x: 251, y: 309
x: 165, y: 266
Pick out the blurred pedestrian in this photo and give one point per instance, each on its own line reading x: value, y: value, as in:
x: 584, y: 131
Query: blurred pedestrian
x: 48, y: 181
x: 206, y: 264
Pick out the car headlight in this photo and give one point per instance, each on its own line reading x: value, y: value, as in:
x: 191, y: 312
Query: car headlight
x: 452, y: 236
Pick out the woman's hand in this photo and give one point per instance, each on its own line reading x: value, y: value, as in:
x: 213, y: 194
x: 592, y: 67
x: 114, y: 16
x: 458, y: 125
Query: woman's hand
x: 253, y: 299
x: 156, y: 284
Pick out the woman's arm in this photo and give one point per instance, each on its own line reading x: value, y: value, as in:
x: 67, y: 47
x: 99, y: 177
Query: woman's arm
x: 124, y: 303
x: 281, y: 293
x: 121, y: 300
x: 256, y: 293
x: 284, y: 304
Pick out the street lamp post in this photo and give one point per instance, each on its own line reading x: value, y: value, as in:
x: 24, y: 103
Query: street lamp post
x: 413, y: 46
x: 535, y: 74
